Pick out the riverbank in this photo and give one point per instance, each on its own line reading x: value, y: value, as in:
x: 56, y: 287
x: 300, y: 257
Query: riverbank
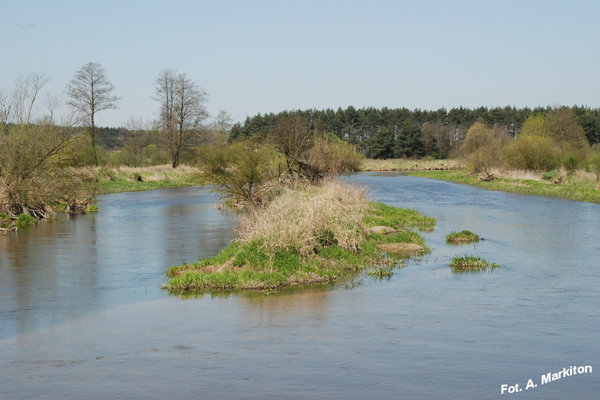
x: 579, y: 187
x: 104, y: 180
x: 314, y: 235
x: 404, y: 164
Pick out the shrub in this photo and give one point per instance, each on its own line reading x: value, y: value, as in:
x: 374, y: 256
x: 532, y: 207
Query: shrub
x: 32, y: 170
x: 593, y: 162
x: 482, y: 148
x: 532, y: 152
x: 331, y: 155
x: 244, y: 170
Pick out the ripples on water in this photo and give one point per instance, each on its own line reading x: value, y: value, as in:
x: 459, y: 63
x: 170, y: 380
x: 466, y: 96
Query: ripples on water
x: 82, y: 315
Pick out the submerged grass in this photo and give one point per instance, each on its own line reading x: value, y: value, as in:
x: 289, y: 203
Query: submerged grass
x: 315, y: 235
x: 462, y: 237
x: 577, y: 187
x: 469, y: 263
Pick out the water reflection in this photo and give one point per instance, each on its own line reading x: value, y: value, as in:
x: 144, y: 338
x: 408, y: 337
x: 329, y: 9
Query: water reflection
x: 59, y: 270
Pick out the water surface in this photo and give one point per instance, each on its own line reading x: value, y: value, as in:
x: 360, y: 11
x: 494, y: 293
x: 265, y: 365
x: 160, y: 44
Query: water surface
x: 83, y: 315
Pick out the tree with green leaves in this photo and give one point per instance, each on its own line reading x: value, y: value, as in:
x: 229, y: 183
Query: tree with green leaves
x: 564, y: 128
x: 90, y: 92
x: 483, y: 148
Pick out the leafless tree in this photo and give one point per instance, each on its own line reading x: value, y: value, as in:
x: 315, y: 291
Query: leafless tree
x: 17, y: 106
x: 90, y: 92
x: 6, y: 111
x: 223, y: 121
x: 52, y: 103
x: 182, y: 112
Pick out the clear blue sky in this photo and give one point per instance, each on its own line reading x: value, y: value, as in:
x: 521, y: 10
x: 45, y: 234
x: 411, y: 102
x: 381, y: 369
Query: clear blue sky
x: 268, y: 56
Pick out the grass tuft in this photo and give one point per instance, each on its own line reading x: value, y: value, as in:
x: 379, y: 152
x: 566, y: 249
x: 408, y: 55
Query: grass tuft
x: 24, y: 221
x: 462, y: 237
x: 469, y: 263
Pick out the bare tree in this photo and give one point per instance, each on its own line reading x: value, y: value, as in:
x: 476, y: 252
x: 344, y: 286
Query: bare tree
x: 223, y: 122
x: 17, y: 107
x: 181, y: 111
x: 90, y: 92
x: 6, y: 111
x: 219, y: 130
x: 293, y: 138
x: 52, y: 103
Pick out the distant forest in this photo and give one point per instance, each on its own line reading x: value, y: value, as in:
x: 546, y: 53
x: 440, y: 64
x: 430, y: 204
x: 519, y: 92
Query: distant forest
x: 393, y: 133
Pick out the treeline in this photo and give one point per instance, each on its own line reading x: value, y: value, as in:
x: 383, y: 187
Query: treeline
x: 395, y: 133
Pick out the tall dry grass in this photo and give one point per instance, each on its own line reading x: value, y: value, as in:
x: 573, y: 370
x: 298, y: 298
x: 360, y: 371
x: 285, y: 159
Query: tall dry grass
x: 519, y: 174
x: 403, y: 164
x: 331, y: 213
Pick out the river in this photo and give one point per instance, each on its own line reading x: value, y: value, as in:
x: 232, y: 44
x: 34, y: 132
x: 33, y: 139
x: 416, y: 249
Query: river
x: 82, y: 314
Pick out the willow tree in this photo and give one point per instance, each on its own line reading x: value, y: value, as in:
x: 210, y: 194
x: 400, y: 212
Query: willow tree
x: 90, y: 91
x: 182, y: 112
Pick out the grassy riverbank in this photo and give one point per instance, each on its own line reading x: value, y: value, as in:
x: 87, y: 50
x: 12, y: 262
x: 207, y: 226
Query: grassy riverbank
x: 579, y: 187
x: 404, y: 164
x: 315, y: 235
x: 128, y: 179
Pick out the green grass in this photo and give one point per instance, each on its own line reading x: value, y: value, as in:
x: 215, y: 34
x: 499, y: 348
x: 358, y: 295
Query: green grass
x: 92, y: 208
x: 21, y: 223
x: 398, y: 218
x: 462, y: 237
x: 24, y: 221
x: 255, y: 266
x: 572, y: 189
x: 5, y: 221
x: 382, y: 272
x: 469, y: 263
x: 105, y: 180
x: 404, y: 164
x: 119, y: 185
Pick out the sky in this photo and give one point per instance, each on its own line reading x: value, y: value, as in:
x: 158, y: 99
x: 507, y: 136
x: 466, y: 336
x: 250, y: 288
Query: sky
x: 269, y: 56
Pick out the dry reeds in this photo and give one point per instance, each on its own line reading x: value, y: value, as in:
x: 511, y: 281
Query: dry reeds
x: 331, y: 213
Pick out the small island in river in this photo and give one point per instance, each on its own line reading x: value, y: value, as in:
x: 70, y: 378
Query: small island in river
x: 316, y: 234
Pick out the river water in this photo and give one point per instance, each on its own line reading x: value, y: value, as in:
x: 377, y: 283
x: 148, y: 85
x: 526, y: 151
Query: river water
x: 82, y: 314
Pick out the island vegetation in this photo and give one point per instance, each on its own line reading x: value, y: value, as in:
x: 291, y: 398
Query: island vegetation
x: 470, y: 263
x: 463, y: 236
x: 310, y: 234
x: 297, y: 223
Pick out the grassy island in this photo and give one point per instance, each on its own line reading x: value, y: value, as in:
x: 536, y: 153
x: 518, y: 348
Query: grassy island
x: 316, y: 234
x: 471, y: 263
x: 462, y: 237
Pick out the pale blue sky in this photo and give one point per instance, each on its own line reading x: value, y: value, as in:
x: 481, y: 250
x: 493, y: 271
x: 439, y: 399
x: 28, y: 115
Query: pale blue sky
x: 268, y: 56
